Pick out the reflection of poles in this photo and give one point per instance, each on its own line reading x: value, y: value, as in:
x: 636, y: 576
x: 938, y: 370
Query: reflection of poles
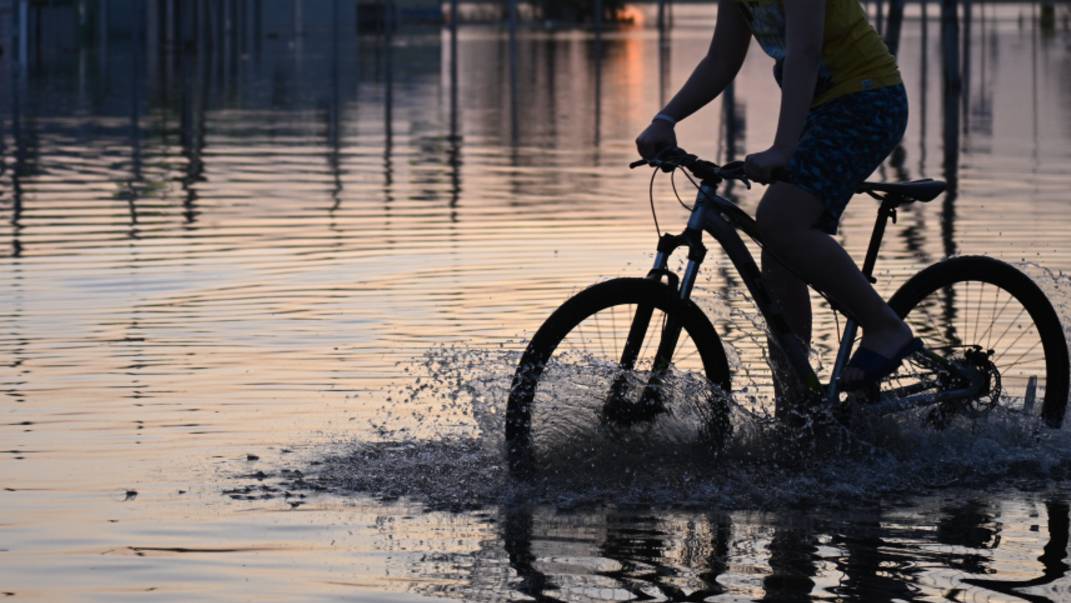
x: 169, y: 25
x: 517, y: 538
x: 102, y: 35
x: 16, y: 291
x: 192, y: 127
x: 333, y: 115
x: 454, y: 152
x: 970, y: 525
x: 924, y: 99
x: 1052, y: 559
x: 663, y: 65
x: 950, y: 92
x: 733, y: 123
x: 136, y: 176
x: 869, y: 571
x: 24, y: 33
x: 514, y: 133
x: 388, y: 124
x: 965, y: 95
x: 258, y: 24
x: 1034, y: 78
x: 1047, y: 19
x: 793, y: 551
x: 598, y: 91
x: 20, y: 168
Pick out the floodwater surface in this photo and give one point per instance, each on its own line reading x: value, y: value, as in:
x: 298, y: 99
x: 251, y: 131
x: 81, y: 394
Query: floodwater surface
x: 261, y: 307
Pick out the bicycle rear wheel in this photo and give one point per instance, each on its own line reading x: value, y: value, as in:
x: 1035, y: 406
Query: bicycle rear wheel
x: 619, y: 349
x: 992, y: 321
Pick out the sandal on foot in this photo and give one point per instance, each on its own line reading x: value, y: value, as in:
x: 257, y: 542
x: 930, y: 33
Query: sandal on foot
x: 876, y: 367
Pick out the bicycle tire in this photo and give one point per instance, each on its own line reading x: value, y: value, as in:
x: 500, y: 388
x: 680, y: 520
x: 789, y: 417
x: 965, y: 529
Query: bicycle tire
x: 944, y: 275
x: 616, y: 292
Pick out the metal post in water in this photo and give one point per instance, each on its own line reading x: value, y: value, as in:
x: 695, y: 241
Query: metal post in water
x: 661, y: 14
x: 152, y: 41
x: 1031, y: 394
x: 893, y: 26
x: 924, y: 80
x: 598, y: 91
x: 663, y: 65
x: 454, y: 149
x: 1048, y: 16
x: 169, y: 24
x: 965, y: 93
x: 24, y: 33
x: 514, y: 127
x: 102, y: 34
x: 950, y: 128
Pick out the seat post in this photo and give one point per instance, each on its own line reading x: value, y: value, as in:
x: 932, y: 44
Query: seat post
x: 887, y: 210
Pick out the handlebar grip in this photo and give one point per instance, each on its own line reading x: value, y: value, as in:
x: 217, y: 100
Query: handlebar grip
x: 637, y: 163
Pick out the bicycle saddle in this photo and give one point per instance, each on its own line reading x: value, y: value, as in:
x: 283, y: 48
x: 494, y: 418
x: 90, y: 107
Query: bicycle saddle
x: 923, y: 190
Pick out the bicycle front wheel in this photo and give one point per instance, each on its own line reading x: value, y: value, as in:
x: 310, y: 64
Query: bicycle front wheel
x: 994, y: 322
x: 616, y: 351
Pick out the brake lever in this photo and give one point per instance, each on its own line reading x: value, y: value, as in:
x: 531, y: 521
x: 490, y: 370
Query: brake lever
x: 735, y: 171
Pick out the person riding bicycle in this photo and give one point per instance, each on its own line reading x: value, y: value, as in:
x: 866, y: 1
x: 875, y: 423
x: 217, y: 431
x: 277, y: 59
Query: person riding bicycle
x: 843, y: 110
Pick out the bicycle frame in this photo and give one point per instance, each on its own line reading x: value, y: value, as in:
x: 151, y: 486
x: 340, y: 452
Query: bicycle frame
x: 722, y: 219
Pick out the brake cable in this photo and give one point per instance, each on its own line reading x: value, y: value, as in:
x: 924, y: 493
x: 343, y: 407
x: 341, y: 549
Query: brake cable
x: 650, y: 196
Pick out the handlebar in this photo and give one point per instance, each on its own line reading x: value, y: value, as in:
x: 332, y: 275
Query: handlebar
x: 676, y: 157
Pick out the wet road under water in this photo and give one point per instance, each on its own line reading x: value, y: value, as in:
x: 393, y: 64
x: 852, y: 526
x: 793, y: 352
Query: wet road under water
x: 260, y: 308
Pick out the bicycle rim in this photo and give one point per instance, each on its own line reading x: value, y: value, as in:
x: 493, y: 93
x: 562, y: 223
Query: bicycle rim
x: 580, y: 402
x: 990, y: 330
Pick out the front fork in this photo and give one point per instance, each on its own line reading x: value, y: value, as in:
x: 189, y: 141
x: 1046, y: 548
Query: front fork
x: 650, y: 402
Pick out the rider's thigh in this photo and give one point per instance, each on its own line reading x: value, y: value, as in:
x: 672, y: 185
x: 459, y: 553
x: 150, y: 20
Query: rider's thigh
x: 785, y: 209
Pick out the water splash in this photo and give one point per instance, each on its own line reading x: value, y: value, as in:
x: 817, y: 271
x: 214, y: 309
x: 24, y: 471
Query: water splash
x: 440, y: 443
x: 438, y: 439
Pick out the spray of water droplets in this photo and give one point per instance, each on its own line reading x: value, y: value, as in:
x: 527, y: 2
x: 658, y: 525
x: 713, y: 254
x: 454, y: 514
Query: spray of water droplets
x: 438, y: 440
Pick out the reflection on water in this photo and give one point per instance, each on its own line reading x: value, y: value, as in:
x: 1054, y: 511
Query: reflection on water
x: 216, y: 252
x: 788, y: 556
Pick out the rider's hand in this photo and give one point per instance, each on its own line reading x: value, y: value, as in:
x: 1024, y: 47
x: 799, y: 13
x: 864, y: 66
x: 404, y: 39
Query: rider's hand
x: 657, y: 137
x: 761, y: 167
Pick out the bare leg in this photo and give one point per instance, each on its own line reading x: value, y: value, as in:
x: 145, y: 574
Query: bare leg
x: 785, y: 218
x: 794, y: 300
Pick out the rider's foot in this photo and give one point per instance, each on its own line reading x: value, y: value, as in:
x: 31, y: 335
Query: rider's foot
x: 889, y: 341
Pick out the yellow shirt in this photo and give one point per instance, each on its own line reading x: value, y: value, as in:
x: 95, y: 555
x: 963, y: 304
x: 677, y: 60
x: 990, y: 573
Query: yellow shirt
x: 854, y: 57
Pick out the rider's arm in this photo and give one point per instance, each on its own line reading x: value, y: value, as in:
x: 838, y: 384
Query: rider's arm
x: 720, y: 65
x: 804, y: 21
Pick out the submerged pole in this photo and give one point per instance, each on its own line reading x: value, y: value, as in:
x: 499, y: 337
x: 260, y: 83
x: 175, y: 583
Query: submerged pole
x: 965, y: 70
x: 950, y: 93
x: 892, y: 27
x: 24, y: 32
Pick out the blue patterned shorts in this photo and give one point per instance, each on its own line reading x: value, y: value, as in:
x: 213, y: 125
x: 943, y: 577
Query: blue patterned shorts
x: 842, y: 144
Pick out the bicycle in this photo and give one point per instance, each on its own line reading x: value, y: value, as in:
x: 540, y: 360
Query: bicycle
x: 948, y: 304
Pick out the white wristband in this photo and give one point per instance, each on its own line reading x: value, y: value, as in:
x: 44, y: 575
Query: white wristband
x: 666, y: 118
